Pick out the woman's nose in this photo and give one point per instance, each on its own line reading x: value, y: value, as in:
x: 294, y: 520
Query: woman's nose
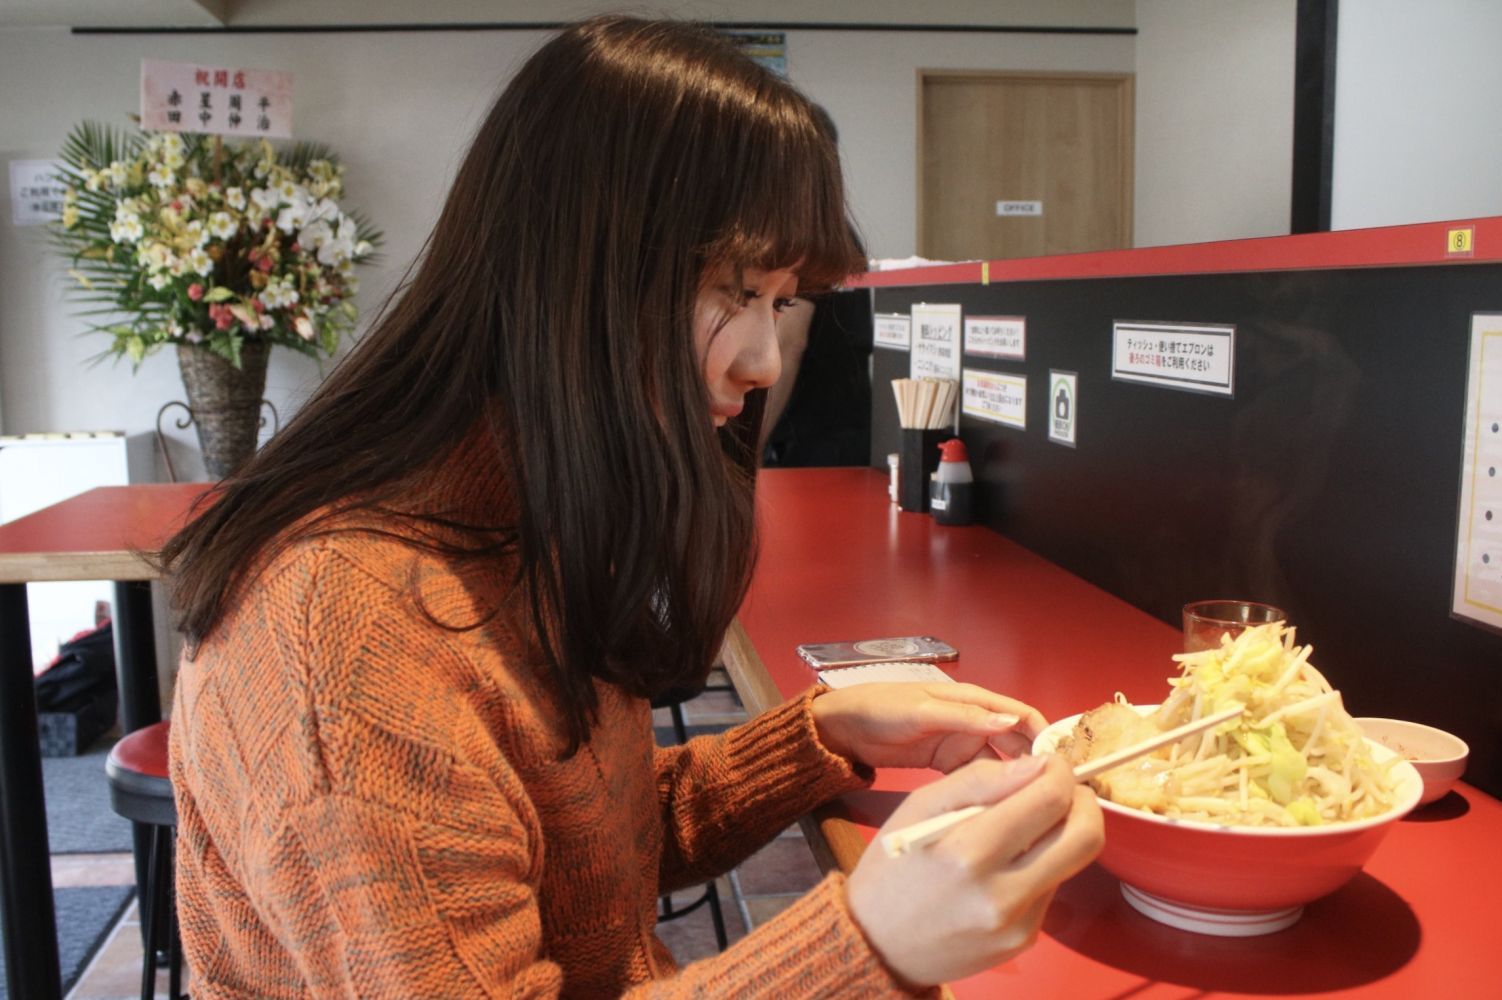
x: 760, y: 359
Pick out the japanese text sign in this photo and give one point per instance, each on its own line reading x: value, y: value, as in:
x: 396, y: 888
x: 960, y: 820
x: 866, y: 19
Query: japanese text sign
x: 996, y: 337
x: 1195, y: 358
x: 936, y: 341
x: 36, y: 195
x: 992, y: 396
x: 186, y: 97
x: 893, y: 330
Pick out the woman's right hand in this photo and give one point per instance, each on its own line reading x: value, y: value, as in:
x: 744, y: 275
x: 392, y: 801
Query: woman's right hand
x: 976, y: 896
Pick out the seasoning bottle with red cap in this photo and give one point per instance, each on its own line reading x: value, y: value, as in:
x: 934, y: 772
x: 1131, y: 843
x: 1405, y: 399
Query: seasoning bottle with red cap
x: 952, y: 494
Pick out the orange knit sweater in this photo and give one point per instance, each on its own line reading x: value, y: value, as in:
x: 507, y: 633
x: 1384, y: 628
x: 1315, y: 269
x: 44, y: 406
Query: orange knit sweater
x: 372, y: 805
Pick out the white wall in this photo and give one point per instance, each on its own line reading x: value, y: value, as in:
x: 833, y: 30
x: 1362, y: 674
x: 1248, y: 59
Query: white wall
x: 1214, y: 145
x: 1417, y: 95
x: 399, y: 108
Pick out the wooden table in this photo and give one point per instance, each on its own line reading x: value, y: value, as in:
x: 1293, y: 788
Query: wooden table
x: 98, y: 535
x: 840, y: 562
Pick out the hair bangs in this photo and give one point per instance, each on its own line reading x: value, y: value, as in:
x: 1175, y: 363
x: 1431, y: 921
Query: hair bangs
x: 787, y: 205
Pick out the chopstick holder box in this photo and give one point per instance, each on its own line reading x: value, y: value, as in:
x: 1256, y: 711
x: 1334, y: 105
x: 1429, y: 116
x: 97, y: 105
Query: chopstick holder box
x: 920, y: 458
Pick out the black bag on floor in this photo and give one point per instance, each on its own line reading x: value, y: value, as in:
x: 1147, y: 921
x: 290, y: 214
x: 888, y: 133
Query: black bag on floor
x: 76, y: 695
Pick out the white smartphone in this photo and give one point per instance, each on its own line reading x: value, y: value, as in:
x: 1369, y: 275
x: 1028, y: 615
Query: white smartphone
x: 918, y: 648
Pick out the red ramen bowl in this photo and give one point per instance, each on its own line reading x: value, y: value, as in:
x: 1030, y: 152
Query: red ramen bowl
x: 1236, y: 881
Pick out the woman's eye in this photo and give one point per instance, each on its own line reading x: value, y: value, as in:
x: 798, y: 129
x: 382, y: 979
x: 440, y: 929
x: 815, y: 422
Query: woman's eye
x: 783, y: 305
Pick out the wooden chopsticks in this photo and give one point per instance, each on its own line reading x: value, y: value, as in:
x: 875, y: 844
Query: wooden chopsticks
x: 926, y: 831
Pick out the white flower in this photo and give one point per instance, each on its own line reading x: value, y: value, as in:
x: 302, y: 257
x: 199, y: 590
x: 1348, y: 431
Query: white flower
x: 161, y: 176
x: 172, y: 142
x: 127, y: 229
x: 194, y: 234
x: 235, y: 198
x: 173, y: 159
x: 279, y: 294
x: 341, y: 247
x: 116, y: 173
x: 264, y: 198
x: 155, y: 255
x: 93, y: 180
x: 267, y: 322
x: 290, y: 192
x: 322, y: 209
x: 159, y: 281
x: 304, y: 327
x: 222, y: 225
x: 292, y: 217
x: 200, y: 262
x: 315, y: 235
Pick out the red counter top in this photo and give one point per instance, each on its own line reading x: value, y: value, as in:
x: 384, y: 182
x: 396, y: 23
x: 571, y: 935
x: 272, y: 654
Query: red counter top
x: 98, y: 535
x: 839, y: 562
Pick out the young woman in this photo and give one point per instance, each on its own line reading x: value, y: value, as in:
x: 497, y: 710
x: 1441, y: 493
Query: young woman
x: 411, y: 744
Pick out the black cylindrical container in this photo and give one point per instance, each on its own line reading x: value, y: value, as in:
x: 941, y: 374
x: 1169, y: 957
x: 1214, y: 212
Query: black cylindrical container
x: 920, y: 457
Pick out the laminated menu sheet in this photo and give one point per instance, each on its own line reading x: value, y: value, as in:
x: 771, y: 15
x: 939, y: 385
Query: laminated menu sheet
x: 875, y: 673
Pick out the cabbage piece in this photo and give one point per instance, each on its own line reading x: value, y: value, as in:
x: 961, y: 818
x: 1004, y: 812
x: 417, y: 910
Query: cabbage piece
x: 1287, y: 768
x: 1304, y: 812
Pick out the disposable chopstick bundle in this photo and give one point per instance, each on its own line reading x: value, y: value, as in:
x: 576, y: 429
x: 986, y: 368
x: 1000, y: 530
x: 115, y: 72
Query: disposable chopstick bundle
x: 924, y: 402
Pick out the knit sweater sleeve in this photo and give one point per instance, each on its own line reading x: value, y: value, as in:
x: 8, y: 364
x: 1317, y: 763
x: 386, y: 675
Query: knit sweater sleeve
x: 722, y: 797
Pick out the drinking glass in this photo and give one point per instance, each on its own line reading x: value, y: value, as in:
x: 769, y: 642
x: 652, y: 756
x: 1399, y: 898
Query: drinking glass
x: 1206, y: 621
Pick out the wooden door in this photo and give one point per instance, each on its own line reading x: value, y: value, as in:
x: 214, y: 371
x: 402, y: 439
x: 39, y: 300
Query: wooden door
x: 1059, y: 144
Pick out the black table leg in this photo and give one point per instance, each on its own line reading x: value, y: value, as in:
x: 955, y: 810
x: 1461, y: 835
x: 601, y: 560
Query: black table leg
x: 30, y: 923
x: 140, y: 701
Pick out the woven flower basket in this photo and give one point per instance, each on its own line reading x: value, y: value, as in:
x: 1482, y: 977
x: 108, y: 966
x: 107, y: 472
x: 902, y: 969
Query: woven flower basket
x: 226, y: 402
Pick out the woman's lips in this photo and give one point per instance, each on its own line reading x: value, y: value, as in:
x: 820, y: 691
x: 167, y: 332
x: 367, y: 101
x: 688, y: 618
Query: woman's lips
x: 722, y: 412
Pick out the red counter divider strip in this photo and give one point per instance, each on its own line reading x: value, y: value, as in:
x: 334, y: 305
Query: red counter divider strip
x: 1419, y: 244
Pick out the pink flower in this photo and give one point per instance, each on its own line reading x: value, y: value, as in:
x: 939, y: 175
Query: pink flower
x: 195, y: 292
x: 265, y: 264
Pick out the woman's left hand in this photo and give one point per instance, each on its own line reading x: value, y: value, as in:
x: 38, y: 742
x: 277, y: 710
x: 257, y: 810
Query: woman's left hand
x: 942, y: 726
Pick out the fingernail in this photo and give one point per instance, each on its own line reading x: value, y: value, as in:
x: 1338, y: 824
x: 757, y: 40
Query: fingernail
x: 1026, y: 767
x: 1001, y: 720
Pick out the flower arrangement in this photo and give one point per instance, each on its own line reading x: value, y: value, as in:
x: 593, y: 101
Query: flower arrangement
x: 188, y: 240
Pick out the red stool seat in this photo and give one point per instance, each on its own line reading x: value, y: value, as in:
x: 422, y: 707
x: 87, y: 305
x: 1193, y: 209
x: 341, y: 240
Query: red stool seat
x: 140, y: 789
x: 144, y: 750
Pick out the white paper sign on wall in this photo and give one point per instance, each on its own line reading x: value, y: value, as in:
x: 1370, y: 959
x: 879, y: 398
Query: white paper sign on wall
x: 994, y: 396
x: 36, y: 195
x: 1196, y: 357
x: 218, y: 100
x: 1477, y: 592
x: 893, y: 331
x: 1063, y: 406
x: 936, y: 341
x: 996, y: 337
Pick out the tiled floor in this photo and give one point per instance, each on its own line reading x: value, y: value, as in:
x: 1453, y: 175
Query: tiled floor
x: 752, y: 894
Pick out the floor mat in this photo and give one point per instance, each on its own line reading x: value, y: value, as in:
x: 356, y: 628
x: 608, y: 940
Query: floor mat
x: 79, y: 817
x: 84, y: 918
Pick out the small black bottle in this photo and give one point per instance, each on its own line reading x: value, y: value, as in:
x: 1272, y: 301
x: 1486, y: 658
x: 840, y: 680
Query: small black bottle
x: 952, y: 496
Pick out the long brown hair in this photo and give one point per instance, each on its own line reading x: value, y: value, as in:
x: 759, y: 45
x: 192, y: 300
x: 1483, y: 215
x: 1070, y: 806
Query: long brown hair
x: 554, y: 301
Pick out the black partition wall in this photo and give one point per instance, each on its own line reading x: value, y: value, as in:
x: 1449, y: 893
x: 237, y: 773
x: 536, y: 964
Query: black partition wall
x: 1328, y: 484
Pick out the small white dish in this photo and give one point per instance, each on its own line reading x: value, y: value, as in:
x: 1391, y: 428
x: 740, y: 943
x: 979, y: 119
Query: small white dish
x: 1438, y: 756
